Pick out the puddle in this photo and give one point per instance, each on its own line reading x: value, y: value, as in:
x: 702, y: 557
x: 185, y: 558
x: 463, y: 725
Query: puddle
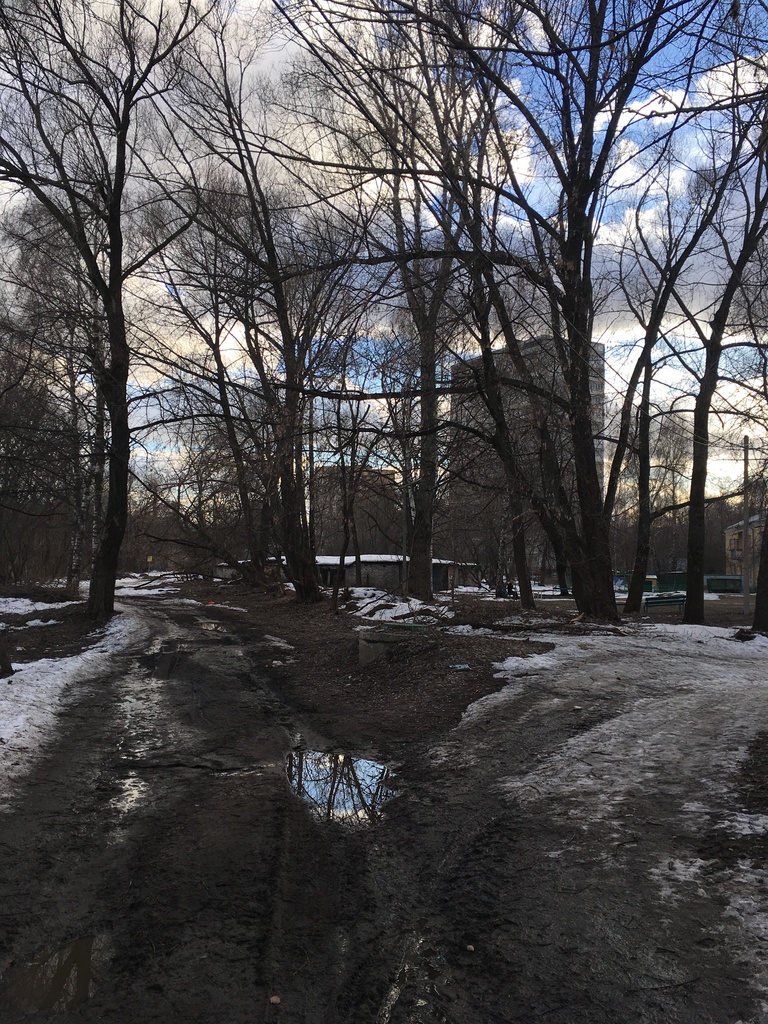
x: 339, y: 787
x: 58, y: 980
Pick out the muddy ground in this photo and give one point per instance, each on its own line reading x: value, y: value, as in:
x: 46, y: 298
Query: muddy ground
x: 186, y: 851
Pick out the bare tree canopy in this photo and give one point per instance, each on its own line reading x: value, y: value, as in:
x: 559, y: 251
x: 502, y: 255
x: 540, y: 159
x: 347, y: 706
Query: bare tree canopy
x: 426, y: 225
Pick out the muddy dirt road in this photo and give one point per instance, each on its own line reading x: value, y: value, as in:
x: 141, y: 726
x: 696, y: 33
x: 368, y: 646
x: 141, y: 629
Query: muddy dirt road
x: 158, y: 865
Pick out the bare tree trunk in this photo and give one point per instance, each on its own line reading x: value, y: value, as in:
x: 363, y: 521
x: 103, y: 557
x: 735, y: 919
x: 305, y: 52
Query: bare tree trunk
x: 634, y: 600
x: 346, y: 479
x: 299, y: 555
x: 561, y: 569
x: 254, y: 573
x: 6, y: 668
x: 76, y: 539
x: 75, y: 50
x: 358, y: 558
x: 578, y: 586
x: 521, y: 565
x: 79, y: 489
x: 98, y: 464
x: 113, y: 387
x: 595, y: 566
x: 420, y: 564
x: 694, y: 604
x: 101, y: 596
x: 555, y: 538
x: 340, y: 572
x: 420, y: 570
x: 501, y: 557
x: 520, y: 554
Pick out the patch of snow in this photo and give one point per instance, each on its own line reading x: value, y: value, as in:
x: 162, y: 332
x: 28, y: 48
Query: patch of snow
x: 367, y: 594
x: 385, y: 607
x: 673, y: 876
x: 743, y: 824
x: 31, y: 698
x: 275, y: 641
x: 687, y: 701
x: 694, y: 807
x: 750, y: 913
x: 527, y: 620
x: 22, y: 606
x: 124, y: 591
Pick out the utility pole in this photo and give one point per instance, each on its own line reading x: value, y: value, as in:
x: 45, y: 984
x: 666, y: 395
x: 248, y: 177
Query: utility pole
x: 746, y: 548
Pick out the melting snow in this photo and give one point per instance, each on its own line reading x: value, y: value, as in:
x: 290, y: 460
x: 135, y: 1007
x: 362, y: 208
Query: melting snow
x: 22, y: 606
x: 693, y: 700
x: 31, y: 698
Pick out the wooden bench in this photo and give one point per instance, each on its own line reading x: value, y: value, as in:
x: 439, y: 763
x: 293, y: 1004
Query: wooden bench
x: 655, y: 600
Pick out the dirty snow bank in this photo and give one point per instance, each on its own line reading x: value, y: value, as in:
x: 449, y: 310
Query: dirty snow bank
x: 23, y: 606
x: 385, y: 607
x: 30, y: 700
x: 696, y: 698
x: 687, y: 702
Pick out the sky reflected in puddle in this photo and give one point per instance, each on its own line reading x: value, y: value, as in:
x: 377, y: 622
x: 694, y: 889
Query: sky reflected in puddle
x: 339, y: 787
x: 57, y: 980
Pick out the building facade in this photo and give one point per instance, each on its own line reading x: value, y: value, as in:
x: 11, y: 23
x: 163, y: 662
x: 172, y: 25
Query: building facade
x: 734, y: 547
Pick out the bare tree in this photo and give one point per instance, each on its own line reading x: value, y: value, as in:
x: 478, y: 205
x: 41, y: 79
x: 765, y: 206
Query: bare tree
x: 35, y: 460
x: 739, y: 230
x: 195, y: 350
x: 289, y: 277
x: 352, y: 456
x: 533, y: 174
x: 78, y: 86
x: 52, y: 301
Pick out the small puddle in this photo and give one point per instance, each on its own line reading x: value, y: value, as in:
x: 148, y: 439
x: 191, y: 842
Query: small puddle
x: 339, y: 787
x: 58, y: 980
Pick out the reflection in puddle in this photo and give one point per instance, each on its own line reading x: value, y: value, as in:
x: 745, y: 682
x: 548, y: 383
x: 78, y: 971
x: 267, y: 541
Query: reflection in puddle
x: 58, y: 980
x: 339, y: 787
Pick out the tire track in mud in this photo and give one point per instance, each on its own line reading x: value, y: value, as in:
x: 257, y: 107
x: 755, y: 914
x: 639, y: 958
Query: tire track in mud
x: 159, y: 832
x: 159, y: 867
